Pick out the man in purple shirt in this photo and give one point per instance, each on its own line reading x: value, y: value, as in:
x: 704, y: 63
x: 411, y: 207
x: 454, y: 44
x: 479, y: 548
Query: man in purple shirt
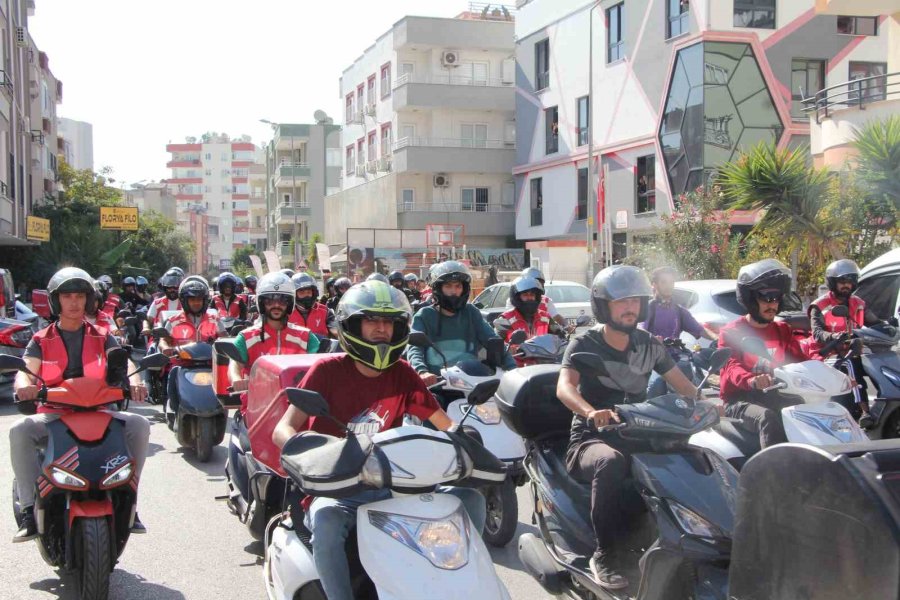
x: 666, y: 319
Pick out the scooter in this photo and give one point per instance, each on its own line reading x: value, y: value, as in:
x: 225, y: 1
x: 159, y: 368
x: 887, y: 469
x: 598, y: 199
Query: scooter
x: 881, y: 364
x: 548, y: 348
x: 85, y: 496
x: 680, y: 499
x: 417, y: 543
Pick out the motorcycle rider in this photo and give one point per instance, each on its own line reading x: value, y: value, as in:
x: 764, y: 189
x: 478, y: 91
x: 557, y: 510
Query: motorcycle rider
x: 227, y: 302
x: 250, y: 281
x: 66, y: 349
x: 666, y: 319
x: 130, y: 294
x: 329, y: 291
x: 341, y: 285
x: 761, y: 287
x: 528, y: 313
x: 111, y: 302
x: 370, y: 388
x: 96, y: 317
x: 395, y: 278
x: 169, y: 284
x: 141, y: 288
x: 619, y: 297
x: 307, y: 312
x: 546, y: 302
x: 411, y: 284
x: 455, y: 326
x: 193, y: 323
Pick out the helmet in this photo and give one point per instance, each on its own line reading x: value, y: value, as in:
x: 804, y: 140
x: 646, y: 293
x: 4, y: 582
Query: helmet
x: 660, y: 271
x: 193, y: 287
x: 617, y: 283
x: 239, y: 289
x: 67, y: 280
x: 141, y: 283
x: 375, y: 299
x: 128, y: 281
x: 329, y: 283
x: 762, y: 275
x: 228, y: 278
x: 450, y: 270
x: 92, y: 307
x: 215, y: 283
x: 526, y: 284
x: 395, y: 276
x: 305, y: 281
x: 171, y: 279
x: 288, y: 272
x: 178, y: 270
x: 841, y: 269
x: 378, y: 277
x: 533, y: 272
x: 250, y: 281
x: 411, y: 278
x: 275, y: 284
x: 197, y: 278
x: 342, y: 283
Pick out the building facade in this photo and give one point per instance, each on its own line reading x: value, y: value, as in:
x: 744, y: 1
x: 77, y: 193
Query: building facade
x: 429, y: 130
x: 678, y: 88
x: 258, y: 211
x: 78, y: 143
x: 155, y: 197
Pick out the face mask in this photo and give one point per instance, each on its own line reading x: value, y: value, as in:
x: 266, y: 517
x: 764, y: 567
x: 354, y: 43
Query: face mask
x: 528, y: 307
x: 306, y: 304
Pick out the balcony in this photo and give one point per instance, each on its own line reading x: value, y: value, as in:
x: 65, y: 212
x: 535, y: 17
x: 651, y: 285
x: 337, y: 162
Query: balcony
x: 185, y: 180
x: 453, y: 155
x: 286, y: 172
x: 453, y: 33
x: 869, y: 8
x: 449, y: 91
x: 183, y: 162
x: 284, y: 213
x: 184, y: 147
x: 481, y: 220
x: 284, y: 133
x: 192, y: 197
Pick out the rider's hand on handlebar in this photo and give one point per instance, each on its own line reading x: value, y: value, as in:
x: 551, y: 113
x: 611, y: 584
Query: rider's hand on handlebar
x: 761, y: 382
x: 28, y: 393
x: 602, y: 418
x: 428, y: 378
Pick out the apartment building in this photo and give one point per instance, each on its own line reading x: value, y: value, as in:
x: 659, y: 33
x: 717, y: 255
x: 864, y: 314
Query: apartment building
x: 678, y: 87
x: 258, y: 211
x: 194, y: 220
x: 155, y: 197
x: 213, y: 176
x: 429, y: 129
x: 78, y: 143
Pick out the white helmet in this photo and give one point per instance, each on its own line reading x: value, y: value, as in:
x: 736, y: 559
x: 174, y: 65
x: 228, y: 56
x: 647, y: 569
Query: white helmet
x: 275, y: 284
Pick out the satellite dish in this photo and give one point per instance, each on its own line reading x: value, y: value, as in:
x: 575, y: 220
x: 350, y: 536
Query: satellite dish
x: 320, y: 116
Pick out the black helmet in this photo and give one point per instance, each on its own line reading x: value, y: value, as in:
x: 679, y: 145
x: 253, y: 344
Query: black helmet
x: 395, y: 276
x: 288, y: 272
x: 768, y: 274
x: 535, y: 273
x: 228, y: 278
x: 526, y: 284
x: 378, y: 277
x: 69, y: 280
x: 329, y: 283
x: 841, y: 269
x: 450, y: 270
x: 275, y: 284
x: 193, y: 287
x: 342, y: 284
x: 141, y: 283
x: 128, y: 281
x: 373, y: 299
x: 305, y: 281
x: 250, y: 281
x: 170, y: 279
x: 617, y: 283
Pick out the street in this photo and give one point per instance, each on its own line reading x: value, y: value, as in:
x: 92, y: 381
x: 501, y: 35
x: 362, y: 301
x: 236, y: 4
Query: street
x: 195, y: 548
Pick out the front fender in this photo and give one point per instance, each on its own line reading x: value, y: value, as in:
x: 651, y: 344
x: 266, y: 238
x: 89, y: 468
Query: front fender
x: 198, y: 400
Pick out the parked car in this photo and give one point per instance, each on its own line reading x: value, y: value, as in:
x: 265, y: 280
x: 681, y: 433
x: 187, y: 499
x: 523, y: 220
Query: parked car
x: 879, y: 285
x: 571, y: 299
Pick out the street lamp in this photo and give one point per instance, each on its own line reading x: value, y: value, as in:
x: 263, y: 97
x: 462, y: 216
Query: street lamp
x: 592, y: 191
x: 296, y: 234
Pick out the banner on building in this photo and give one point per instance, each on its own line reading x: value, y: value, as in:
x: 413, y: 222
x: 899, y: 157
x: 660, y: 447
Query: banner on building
x: 119, y: 218
x: 37, y: 229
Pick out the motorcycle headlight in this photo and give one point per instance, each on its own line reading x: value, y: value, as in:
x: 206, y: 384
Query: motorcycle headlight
x: 487, y: 413
x: 118, y: 477
x: 842, y: 428
x: 199, y: 377
x: 444, y: 542
x: 806, y: 384
x: 459, y: 383
x: 65, y: 479
x: 692, y: 523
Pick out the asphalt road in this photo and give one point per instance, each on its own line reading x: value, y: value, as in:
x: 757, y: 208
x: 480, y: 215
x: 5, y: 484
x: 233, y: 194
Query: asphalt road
x: 195, y: 548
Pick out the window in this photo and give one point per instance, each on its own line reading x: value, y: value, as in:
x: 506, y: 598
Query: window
x: 646, y: 184
x: 537, y: 202
x: 542, y: 65
x: 472, y: 73
x: 350, y: 159
x: 872, y: 86
x: 857, y: 25
x: 807, y: 78
x: 754, y: 13
x: 551, y: 126
x: 386, y: 140
x: 370, y: 90
x: 584, y: 115
x: 474, y: 135
x: 224, y: 157
x: 406, y: 70
x: 286, y: 199
x: 208, y: 171
x: 475, y: 199
x: 581, y: 210
x: 209, y: 156
x: 678, y: 14
x: 408, y: 199
x: 372, y: 151
x: 234, y: 206
x: 223, y: 206
x: 615, y: 46
x: 360, y: 148
x: 386, y: 80
x: 348, y: 117
x: 360, y: 102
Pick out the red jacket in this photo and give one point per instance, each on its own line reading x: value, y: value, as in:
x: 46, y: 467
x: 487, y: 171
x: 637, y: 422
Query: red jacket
x: 835, y: 324
x: 316, y: 320
x: 232, y: 310
x: 183, y: 331
x: 104, y: 322
x: 539, y: 325
x: 55, y: 359
x: 113, y: 302
x: 263, y: 340
x: 160, y: 305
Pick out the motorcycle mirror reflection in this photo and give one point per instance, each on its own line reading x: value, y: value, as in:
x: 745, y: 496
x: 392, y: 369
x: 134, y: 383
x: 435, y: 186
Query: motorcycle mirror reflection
x: 841, y: 310
x: 227, y: 348
x: 518, y: 337
x: 417, y: 338
x: 755, y: 346
x: 310, y: 402
x: 590, y: 362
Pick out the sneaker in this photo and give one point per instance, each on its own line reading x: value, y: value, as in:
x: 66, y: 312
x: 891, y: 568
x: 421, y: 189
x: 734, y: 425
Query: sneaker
x: 604, y: 573
x: 29, y: 530
x: 137, y: 526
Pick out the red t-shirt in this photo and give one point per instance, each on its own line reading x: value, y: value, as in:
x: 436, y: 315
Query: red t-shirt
x: 367, y: 404
x: 738, y: 371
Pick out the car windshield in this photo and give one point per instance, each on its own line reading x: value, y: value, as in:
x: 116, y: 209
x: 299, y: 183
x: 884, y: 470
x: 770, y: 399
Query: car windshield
x: 568, y: 293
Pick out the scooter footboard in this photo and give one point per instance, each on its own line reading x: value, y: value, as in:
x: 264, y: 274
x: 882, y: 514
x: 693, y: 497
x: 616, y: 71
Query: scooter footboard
x: 394, y: 549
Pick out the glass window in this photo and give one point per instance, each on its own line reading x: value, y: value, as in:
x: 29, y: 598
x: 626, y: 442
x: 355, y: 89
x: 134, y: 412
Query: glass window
x: 584, y: 115
x: 348, y: 115
x: 857, y: 25
x: 542, y: 64
x: 615, y: 48
x: 581, y: 210
x: 475, y: 199
x: 371, y: 146
x: 350, y: 159
x: 872, y: 86
x: 646, y: 184
x: 386, y: 80
x: 678, y: 13
x: 408, y: 199
x: 370, y: 90
x: 485, y: 297
x: 551, y: 124
x: 473, y: 135
x: 807, y: 79
x: 502, y: 296
x: 386, y: 140
x: 537, y: 202
x: 754, y: 13
x: 360, y: 152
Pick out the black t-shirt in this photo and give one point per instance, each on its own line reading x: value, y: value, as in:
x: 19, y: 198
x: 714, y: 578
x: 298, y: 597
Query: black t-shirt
x: 629, y: 372
x: 74, y: 342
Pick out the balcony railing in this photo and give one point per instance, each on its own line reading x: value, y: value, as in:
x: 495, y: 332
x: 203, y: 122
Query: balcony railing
x: 286, y: 162
x: 855, y: 93
x: 434, y: 142
x: 454, y: 207
x: 435, y: 79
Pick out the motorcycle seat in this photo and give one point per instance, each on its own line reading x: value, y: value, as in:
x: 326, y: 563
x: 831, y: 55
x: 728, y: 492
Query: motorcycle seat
x: 553, y: 455
x: 746, y: 441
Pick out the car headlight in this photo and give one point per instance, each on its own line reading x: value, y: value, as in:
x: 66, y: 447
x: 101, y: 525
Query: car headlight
x: 806, y: 384
x: 66, y: 479
x: 459, y: 383
x: 118, y: 477
x: 444, y: 542
x: 199, y: 377
x: 487, y: 413
x: 692, y: 523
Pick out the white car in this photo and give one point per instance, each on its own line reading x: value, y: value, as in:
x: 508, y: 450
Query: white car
x: 571, y: 299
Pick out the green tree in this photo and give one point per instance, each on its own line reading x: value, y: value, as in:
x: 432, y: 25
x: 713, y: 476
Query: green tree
x: 877, y: 145
x: 312, y: 253
x: 240, y: 261
x: 158, y: 245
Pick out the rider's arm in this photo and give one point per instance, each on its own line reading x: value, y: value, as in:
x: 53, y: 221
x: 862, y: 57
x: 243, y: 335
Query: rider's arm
x: 235, y: 369
x: 290, y: 423
x: 681, y: 384
x: 25, y: 386
x: 693, y: 327
x: 567, y: 392
x: 485, y: 332
x: 414, y: 354
x: 819, y: 331
x: 330, y: 323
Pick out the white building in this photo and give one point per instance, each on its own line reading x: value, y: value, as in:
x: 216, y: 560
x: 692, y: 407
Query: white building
x: 78, y: 140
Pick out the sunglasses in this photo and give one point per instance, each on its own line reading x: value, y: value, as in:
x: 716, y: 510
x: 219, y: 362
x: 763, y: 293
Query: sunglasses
x: 851, y: 280
x: 770, y: 296
x: 276, y: 300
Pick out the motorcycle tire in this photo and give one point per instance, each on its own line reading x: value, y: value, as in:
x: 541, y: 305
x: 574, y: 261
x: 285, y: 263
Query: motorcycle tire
x: 94, y: 560
x: 203, y: 441
x: 502, y: 517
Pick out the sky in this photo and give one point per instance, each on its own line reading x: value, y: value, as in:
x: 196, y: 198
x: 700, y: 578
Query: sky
x: 145, y: 74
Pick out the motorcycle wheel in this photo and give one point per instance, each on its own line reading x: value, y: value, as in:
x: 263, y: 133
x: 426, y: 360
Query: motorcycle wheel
x: 94, y: 563
x: 203, y: 441
x: 502, y: 513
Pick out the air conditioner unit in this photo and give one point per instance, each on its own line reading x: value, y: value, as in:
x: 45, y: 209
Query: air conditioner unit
x: 450, y: 58
x: 21, y: 40
x: 441, y: 180
x: 385, y: 163
x: 371, y: 166
x: 360, y: 170
x: 360, y: 117
x: 370, y: 109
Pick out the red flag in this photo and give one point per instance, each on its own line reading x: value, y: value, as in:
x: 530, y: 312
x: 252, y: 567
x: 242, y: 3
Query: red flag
x: 601, y: 195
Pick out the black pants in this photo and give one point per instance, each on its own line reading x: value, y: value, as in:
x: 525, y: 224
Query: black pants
x: 762, y: 418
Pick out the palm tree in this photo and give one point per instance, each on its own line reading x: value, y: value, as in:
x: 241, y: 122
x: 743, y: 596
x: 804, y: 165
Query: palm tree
x: 878, y: 158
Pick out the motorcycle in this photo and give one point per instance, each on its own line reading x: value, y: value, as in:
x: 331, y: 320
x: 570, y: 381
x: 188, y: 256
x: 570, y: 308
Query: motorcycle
x: 85, y: 496
x: 548, y: 348
x: 881, y: 364
x: 680, y: 499
x: 415, y: 543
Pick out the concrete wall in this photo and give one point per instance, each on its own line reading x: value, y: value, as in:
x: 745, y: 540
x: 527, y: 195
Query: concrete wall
x: 453, y: 33
x: 80, y: 136
x: 372, y: 205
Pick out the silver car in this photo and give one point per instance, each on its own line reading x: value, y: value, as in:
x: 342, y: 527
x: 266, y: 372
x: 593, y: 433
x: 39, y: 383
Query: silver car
x: 571, y: 299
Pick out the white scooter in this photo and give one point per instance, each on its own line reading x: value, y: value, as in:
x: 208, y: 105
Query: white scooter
x: 417, y: 544
x: 816, y: 419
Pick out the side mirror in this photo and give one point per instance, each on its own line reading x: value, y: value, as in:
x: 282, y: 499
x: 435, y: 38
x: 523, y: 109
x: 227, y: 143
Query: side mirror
x: 501, y: 324
x: 417, y: 338
x: 116, y: 365
x: 483, y: 392
x: 132, y: 321
x: 590, y: 362
x: 755, y: 346
x: 841, y: 310
x: 518, y: 337
x: 718, y: 359
x: 160, y: 332
x: 227, y: 348
x: 8, y: 362
x: 494, y: 352
x: 310, y: 402
x: 582, y: 320
x: 153, y: 361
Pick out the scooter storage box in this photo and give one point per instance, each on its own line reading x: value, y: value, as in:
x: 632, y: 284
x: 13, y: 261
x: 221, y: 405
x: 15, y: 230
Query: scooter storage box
x: 819, y: 523
x: 40, y: 303
x: 528, y: 403
x: 267, y: 402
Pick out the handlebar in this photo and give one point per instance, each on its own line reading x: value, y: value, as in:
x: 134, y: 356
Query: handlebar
x: 778, y: 386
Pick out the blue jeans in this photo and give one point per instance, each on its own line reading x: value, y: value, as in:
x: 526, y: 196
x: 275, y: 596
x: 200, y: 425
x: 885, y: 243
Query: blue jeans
x: 658, y: 386
x: 330, y: 521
